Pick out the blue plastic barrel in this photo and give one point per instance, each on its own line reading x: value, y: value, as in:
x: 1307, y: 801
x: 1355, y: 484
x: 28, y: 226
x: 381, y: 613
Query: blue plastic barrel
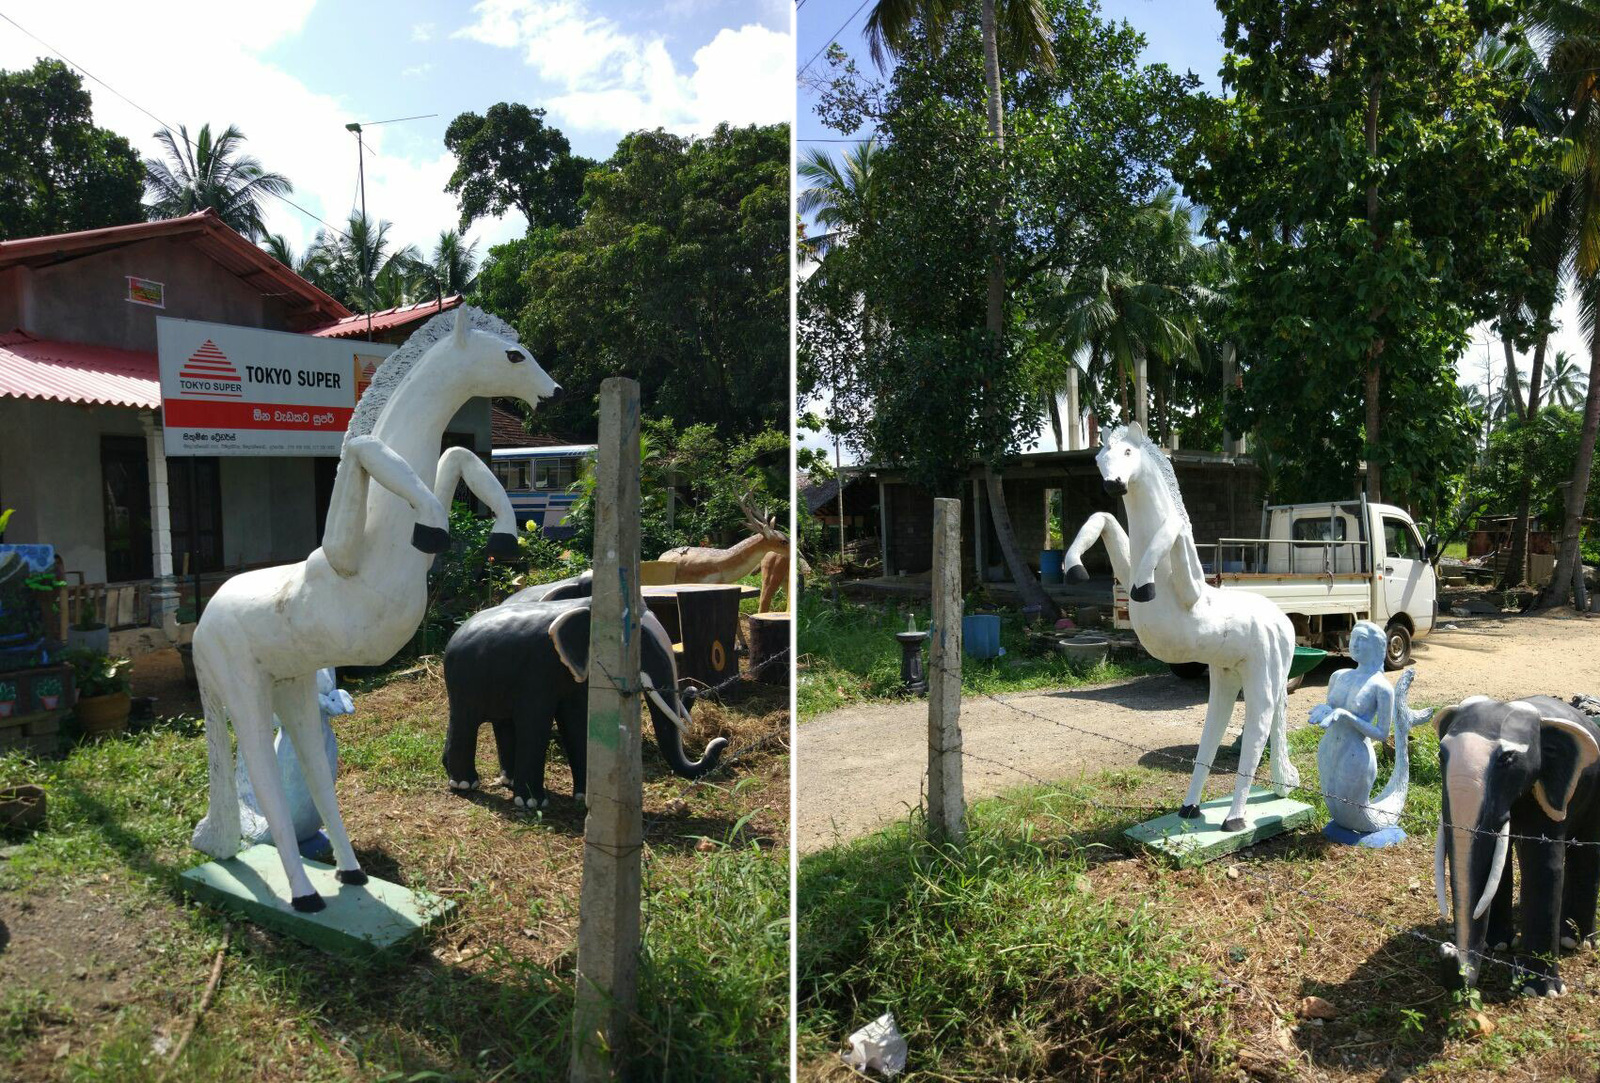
x: 980, y: 635
x: 1050, y: 561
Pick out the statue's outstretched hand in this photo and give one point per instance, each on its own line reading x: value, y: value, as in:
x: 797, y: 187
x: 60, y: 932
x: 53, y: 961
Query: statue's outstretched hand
x: 1322, y: 714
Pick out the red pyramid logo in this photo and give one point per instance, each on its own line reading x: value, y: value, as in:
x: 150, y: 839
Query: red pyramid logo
x: 209, y: 373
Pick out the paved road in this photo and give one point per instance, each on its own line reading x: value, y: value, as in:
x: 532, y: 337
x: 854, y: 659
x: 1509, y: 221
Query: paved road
x: 863, y: 767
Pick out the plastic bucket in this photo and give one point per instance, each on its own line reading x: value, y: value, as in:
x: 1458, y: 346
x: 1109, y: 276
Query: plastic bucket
x: 1050, y: 564
x: 980, y: 635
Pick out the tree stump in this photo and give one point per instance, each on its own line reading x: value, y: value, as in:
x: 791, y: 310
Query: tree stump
x: 708, y: 615
x: 769, y: 639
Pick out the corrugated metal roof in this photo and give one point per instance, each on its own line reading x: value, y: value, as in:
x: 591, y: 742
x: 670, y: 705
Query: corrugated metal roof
x: 388, y: 319
x: 32, y: 368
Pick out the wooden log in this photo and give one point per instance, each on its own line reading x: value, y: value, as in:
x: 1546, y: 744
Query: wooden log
x: 708, y: 614
x: 613, y: 832
x: 769, y: 639
x: 946, y: 802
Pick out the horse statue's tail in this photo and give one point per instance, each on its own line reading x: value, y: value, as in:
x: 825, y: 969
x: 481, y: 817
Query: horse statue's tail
x: 1285, y: 778
x: 218, y: 833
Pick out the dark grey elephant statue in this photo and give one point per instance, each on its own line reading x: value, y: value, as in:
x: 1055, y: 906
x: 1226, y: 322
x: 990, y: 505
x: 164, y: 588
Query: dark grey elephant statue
x: 524, y: 668
x: 1528, y: 768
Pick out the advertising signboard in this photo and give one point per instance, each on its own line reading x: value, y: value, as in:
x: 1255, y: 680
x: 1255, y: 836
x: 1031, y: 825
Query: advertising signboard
x: 229, y: 390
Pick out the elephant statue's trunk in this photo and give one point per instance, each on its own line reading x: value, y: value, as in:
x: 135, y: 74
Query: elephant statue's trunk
x: 671, y: 720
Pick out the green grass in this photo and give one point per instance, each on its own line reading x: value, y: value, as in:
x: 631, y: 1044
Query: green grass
x: 998, y: 958
x: 713, y: 973
x: 849, y: 655
x: 1456, y: 550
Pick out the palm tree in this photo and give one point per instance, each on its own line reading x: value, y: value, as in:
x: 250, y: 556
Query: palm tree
x: 309, y: 265
x: 454, y: 267
x: 212, y: 174
x: 1026, y: 25
x: 840, y: 194
x: 358, y: 257
x: 1574, y: 55
x: 1565, y: 383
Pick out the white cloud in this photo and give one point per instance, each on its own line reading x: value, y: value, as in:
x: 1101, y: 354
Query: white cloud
x: 610, y: 80
x: 203, y: 62
x: 417, y: 69
x: 422, y: 32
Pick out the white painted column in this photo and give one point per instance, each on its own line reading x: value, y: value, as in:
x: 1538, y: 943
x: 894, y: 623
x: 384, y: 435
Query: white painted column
x: 1074, y: 422
x: 1141, y: 392
x: 164, y: 595
x: 883, y: 528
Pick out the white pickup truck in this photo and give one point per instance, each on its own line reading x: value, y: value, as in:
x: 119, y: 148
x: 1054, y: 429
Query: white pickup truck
x: 1328, y: 566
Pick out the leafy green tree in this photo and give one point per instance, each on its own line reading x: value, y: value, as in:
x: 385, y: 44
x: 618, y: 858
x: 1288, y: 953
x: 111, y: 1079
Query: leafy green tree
x: 1565, y: 382
x: 677, y: 276
x: 58, y: 172
x: 213, y: 174
x: 891, y: 26
x: 309, y: 264
x: 1376, y: 202
x: 509, y: 158
x: 1088, y: 145
x: 839, y: 193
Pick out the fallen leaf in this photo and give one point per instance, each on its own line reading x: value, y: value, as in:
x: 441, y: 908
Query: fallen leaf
x: 1316, y: 1008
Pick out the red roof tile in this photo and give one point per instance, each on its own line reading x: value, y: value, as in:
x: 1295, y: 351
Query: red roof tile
x: 32, y: 368
x: 388, y: 319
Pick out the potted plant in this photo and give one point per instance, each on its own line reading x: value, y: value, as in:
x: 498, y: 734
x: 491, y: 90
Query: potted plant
x: 90, y: 632
x: 8, y: 698
x: 103, y: 699
x: 48, y: 692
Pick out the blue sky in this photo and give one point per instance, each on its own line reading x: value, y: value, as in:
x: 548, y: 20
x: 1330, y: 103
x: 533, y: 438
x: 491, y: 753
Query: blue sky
x: 292, y: 73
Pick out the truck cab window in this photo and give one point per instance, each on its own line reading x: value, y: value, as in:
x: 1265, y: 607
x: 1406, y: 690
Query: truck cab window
x: 1400, y: 540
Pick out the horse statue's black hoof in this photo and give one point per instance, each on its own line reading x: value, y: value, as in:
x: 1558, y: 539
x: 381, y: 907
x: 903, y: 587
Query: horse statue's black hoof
x: 503, y: 546
x: 1143, y: 593
x: 430, y: 539
x: 1190, y: 812
x: 351, y: 877
x: 1077, y: 574
x: 1233, y: 823
x: 308, y: 904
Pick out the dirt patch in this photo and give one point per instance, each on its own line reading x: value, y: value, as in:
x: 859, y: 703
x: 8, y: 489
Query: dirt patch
x: 159, y: 675
x: 863, y: 767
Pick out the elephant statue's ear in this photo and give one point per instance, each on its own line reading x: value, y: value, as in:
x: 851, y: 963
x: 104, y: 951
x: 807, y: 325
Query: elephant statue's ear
x: 570, y: 634
x: 1442, y: 717
x: 1566, y: 749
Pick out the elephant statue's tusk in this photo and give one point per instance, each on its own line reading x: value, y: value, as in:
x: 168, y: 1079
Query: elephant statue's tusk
x: 650, y: 690
x: 1441, y: 887
x: 1501, y: 845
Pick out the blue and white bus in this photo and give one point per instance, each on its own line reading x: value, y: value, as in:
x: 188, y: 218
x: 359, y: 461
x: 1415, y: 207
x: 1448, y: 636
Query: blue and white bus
x: 539, y: 482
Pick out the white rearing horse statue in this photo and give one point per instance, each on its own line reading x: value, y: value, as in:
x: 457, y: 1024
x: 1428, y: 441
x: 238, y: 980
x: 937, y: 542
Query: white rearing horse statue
x: 1246, y: 640
x: 361, y: 596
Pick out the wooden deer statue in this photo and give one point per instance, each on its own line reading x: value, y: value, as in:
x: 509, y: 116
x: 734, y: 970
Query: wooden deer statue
x: 767, y: 549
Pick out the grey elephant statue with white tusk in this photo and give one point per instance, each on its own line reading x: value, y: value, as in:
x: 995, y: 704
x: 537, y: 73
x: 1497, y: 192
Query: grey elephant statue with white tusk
x: 523, y: 667
x: 1529, y: 768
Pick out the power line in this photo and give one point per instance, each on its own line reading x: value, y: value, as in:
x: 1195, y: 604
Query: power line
x: 832, y: 38
x: 170, y: 128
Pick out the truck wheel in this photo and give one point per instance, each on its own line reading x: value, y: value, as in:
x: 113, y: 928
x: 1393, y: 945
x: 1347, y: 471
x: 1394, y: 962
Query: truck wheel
x: 1398, y: 653
x: 1189, y: 671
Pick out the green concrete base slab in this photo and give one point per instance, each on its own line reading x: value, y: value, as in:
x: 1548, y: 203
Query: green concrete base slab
x: 358, y: 922
x: 1194, y: 842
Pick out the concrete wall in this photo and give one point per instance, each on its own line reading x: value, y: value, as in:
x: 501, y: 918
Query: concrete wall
x: 50, y: 473
x: 268, y: 511
x: 85, y: 300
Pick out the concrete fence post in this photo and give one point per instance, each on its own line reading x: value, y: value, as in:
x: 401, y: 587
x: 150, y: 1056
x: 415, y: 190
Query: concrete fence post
x: 608, y: 913
x: 946, y: 803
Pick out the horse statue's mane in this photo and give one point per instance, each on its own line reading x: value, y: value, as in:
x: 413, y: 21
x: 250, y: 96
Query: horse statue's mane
x: 1163, y: 463
x: 397, y: 366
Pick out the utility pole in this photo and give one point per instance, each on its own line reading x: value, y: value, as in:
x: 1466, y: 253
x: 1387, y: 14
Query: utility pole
x: 361, y: 176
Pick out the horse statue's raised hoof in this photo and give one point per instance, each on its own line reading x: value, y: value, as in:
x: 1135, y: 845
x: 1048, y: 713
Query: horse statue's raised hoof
x: 430, y: 539
x: 351, y: 877
x: 1143, y: 593
x: 503, y: 546
x: 308, y: 904
x: 1190, y: 812
x: 1077, y: 574
x: 1233, y: 823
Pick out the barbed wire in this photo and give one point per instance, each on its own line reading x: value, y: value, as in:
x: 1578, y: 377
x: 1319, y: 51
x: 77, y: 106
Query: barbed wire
x: 1418, y: 822
x: 1250, y: 869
